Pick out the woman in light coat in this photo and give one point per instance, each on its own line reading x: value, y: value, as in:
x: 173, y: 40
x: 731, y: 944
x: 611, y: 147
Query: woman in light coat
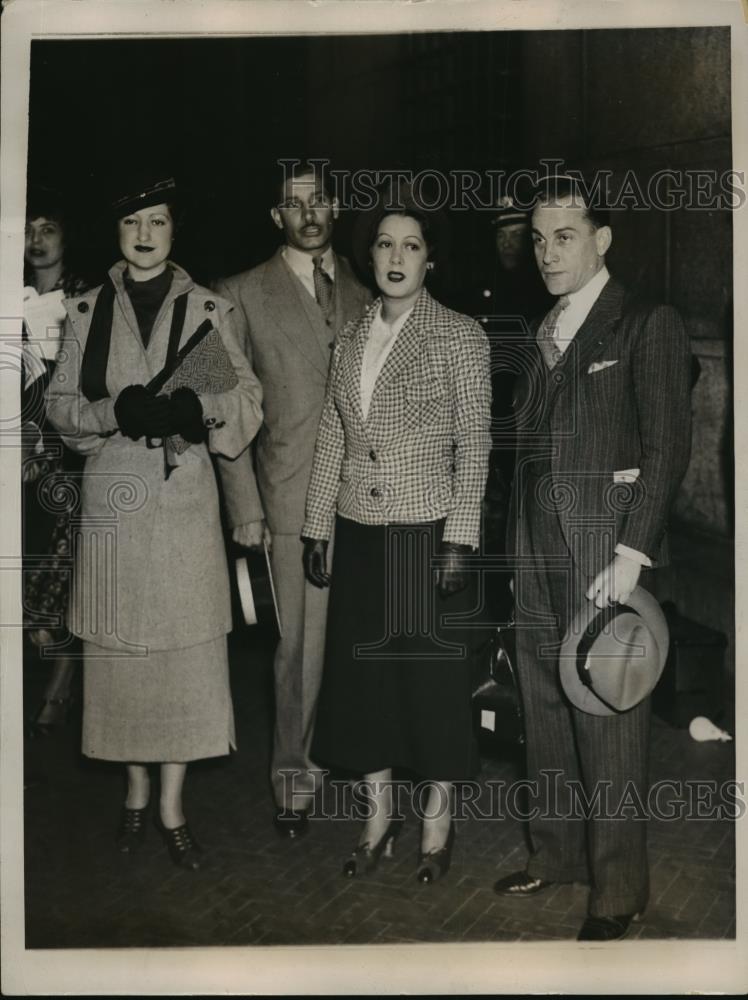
x: 400, y: 470
x: 151, y: 593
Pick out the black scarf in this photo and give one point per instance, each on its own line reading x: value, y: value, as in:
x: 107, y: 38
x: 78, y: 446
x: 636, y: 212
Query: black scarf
x: 96, y: 354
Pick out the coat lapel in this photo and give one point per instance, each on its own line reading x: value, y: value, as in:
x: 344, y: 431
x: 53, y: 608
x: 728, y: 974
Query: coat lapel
x: 282, y: 306
x: 346, y: 296
x: 353, y: 356
x: 407, y: 345
x: 155, y: 354
x: 591, y: 336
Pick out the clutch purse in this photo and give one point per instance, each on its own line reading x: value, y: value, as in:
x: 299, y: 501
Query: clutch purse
x: 206, y: 368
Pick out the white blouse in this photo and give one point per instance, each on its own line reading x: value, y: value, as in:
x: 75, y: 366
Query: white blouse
x: 380, y: 342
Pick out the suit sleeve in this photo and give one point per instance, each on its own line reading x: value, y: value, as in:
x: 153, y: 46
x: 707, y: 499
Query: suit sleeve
x: 229, y: 291
x: 471, y: 382
x: 661, y: 377
x: 329, y: 450
x: 238, y: 480
x: 84, y: 426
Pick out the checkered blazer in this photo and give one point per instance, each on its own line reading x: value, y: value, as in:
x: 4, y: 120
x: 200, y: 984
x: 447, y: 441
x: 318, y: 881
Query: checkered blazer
x: 422, y: 451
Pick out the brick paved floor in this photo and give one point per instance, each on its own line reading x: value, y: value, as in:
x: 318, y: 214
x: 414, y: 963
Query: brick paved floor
x: 80, y: 893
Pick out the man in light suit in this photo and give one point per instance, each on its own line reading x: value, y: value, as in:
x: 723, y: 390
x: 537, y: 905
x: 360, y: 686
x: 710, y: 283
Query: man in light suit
x: 604, y: 441
x: 288, y: 311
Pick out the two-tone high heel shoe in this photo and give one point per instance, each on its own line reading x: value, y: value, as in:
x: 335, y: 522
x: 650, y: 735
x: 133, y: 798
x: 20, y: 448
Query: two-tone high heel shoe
x: 435, y: 864
x: 366, y: 856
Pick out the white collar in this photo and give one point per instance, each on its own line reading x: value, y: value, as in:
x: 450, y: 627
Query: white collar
x: 581, y: 301
x: 390, y: 329
x: 302, y: 263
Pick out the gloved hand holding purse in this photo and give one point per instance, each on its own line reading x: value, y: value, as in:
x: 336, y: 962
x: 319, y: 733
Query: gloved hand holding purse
x: 186, y: 415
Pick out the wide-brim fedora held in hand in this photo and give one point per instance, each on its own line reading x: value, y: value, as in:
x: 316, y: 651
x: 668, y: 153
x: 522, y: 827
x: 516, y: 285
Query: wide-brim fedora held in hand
x: 612, y: 658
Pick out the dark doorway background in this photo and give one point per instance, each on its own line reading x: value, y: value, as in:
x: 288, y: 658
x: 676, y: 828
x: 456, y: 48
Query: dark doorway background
x: 219, y: 113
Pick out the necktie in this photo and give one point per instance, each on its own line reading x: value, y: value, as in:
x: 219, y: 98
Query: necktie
x: 547, y: 333
x: 322, y: 285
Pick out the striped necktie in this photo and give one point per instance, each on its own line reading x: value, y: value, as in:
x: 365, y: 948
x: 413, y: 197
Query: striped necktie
x: 322, y: 285
x: 547, y: 334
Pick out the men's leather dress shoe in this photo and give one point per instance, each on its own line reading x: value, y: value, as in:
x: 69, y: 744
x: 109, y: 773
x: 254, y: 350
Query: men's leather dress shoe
x: 291, y: 824
x: 608, y: 928
x: 520, y: 884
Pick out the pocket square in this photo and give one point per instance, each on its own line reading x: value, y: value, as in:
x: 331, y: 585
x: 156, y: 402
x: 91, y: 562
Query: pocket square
x: 626, y: 475
x: 598, y: 366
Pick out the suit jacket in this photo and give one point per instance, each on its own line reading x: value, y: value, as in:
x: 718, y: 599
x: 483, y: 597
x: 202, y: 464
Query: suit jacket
x: 618, y: 402
x: 422, y: 451
x: 289, y: 348
x: 164, y: 582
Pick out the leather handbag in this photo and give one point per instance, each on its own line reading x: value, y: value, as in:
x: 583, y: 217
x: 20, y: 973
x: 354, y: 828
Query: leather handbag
x: 497, y: 702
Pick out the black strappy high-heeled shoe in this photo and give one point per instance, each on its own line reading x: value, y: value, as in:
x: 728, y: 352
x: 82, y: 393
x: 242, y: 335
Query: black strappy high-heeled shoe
x: 435, y: 864
x: 365, y: 857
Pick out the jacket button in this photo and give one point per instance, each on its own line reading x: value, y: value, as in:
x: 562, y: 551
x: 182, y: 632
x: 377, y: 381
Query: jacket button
x: 83, y: 307
x: 373, y: 455
x: 210, y: 422
x: 329, y: 322
x: 210, y: 306
x: 376, y: 492
x: 331, y: 344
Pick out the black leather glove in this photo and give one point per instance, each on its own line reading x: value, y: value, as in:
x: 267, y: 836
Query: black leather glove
x: 139, y: 412
x: 453, y: 576
x: 315, y: 561
x: 186, y: 415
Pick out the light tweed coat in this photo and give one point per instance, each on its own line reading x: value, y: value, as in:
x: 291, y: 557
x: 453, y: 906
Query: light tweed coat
x: 151, y: 567
x: 422, y: 451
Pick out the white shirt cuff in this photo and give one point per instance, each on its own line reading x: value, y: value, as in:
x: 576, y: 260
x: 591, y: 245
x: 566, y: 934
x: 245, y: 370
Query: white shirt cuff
x: 624, y: 550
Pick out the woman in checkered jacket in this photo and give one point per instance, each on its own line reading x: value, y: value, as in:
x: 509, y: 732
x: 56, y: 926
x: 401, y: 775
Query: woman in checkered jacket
x: 398, y: 478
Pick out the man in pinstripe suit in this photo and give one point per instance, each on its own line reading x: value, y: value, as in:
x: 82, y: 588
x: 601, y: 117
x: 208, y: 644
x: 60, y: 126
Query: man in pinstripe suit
x: 604, y: 441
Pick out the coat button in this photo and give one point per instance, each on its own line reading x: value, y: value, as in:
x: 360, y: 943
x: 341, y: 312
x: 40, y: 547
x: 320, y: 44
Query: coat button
x: 373, y: 455
x: 329, y: 322
x: 376, y: 492
x: 210, y: 421
x: 210, y: 306
x: 83, y: 307
x: 331, y: 344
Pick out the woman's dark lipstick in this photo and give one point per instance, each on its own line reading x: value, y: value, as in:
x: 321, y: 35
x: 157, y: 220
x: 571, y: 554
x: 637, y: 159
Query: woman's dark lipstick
x: 142, y: 249
x: 395, y: 276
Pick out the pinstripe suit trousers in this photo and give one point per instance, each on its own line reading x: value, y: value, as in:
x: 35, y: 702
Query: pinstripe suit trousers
x: 574, y: 756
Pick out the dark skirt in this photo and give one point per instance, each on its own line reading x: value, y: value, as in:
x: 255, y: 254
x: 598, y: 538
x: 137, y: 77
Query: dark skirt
x: 397, y: 678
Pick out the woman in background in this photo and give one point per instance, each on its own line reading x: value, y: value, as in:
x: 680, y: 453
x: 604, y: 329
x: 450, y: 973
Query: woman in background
x: 151, y: 592
x: 400, y: 469
x: 49, y: 468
